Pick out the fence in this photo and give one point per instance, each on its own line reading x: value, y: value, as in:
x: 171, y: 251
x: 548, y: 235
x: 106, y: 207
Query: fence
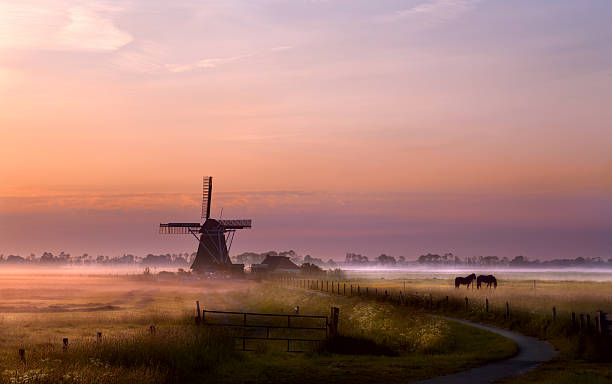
x: 600, y: 322
x: 294, y: 329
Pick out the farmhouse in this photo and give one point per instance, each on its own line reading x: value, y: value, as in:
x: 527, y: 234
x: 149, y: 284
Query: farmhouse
x: 277, y: 263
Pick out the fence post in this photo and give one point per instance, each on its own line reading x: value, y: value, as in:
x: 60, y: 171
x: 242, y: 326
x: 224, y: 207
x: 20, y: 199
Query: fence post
x: 351, y: 289
x: 152, y: 329
x: 327, y: 285
x: 344, y: 289
x: 333, y: 324
x: 603, y: 327
x: 367, y: 292
x: 99, y: 336
x: 507, y: 310
x: 244, y: 332
x: 198, y: 318
x: 554, y: 314
x: 581, y: 321
x: 466, y: 304
x: 65, y: 343
x: 597, y: 324
x: 486, y: 305
x: 22, y: 355
x: 358, y: 290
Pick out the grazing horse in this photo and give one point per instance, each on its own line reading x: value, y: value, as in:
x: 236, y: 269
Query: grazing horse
x: 465, y: 280
x: 487, y: 279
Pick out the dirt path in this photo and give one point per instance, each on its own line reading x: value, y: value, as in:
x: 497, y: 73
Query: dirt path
x: 532, y: 352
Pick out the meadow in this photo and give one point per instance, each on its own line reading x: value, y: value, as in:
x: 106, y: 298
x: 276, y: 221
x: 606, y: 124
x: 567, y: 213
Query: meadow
x: 584, y: 356
x: 378, y: 342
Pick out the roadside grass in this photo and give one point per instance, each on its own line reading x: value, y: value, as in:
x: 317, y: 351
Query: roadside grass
x: 585, y: 356
x: 468, y: 347
x: 561, y: 371
x: 424, y: 346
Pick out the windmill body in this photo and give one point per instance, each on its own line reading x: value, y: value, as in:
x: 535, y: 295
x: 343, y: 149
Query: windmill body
x: 214, y: 236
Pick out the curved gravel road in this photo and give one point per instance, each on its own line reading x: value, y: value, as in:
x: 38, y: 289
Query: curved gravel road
x: 532, y: 352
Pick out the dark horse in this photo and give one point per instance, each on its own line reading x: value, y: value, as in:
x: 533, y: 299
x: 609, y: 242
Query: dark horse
x: 465, y: 280
x: 487, y: 279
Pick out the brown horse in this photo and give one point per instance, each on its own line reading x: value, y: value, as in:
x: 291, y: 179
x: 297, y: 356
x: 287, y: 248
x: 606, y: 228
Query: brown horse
x: 465, y: 280
x: 489, y: 280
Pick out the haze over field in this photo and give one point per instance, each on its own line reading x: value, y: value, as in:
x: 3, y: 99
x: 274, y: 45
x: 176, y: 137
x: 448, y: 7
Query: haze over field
x: 395, y: 126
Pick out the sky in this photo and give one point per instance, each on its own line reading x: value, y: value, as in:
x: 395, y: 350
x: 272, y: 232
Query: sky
x: 478, y: 127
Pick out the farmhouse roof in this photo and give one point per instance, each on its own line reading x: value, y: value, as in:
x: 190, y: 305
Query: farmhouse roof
x: 279, y: 263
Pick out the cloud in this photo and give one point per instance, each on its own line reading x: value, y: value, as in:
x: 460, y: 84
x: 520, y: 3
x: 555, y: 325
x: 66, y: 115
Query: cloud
x: 90, y: 31
x: 281, y: 48
x: 206, y: 63
x: 432, y: 12
x: 60, y: 26
x: 218, y: 61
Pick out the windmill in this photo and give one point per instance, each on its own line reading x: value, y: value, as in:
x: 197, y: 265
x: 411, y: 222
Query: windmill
x: 214, y: 236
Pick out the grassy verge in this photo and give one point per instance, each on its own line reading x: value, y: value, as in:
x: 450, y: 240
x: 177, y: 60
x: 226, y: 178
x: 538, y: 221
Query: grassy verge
x: 467, y: 347
x: 562, y: 371
x: 584, y: 356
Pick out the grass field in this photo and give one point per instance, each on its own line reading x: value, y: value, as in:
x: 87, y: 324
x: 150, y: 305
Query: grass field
x: 378, y: 342
x: 585, y: 357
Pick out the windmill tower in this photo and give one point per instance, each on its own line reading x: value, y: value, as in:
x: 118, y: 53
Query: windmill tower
x: 214, y: 236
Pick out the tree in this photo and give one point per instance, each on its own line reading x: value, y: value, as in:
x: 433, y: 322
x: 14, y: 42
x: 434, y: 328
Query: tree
x: 14, y: 259
x: 519, y: 261
x: 429, y: 258
x: 354, y: 258
x: 308, y: 269
x: 313, y: 260
x: 385, y: 260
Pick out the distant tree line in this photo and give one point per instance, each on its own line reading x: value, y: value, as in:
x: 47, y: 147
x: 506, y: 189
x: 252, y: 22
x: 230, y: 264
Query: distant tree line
x: 184, y: 260
x: 451, y: 260
x: 179, y: 260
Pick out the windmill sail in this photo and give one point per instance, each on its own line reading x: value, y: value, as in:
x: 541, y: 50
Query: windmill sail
x: 206, y: 196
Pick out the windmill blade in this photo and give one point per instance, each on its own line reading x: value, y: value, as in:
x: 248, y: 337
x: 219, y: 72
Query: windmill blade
x: 179, y: 228
x: 206, y: 196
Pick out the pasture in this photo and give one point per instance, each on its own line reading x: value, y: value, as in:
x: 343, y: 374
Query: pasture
x: 578, y: 292
x: 584, y: 355
x: 380, y: 341
x: 39, y: 310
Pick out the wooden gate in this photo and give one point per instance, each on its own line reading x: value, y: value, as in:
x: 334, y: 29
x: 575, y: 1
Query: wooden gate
x: 296, y: 330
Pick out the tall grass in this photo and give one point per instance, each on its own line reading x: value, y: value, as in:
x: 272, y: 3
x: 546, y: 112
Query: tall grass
x: 402, y: 329
x: 180, y: 352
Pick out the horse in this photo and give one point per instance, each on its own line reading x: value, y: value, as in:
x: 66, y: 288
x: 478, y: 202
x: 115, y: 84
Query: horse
x: 465, y: 280
x: 487, y: 279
